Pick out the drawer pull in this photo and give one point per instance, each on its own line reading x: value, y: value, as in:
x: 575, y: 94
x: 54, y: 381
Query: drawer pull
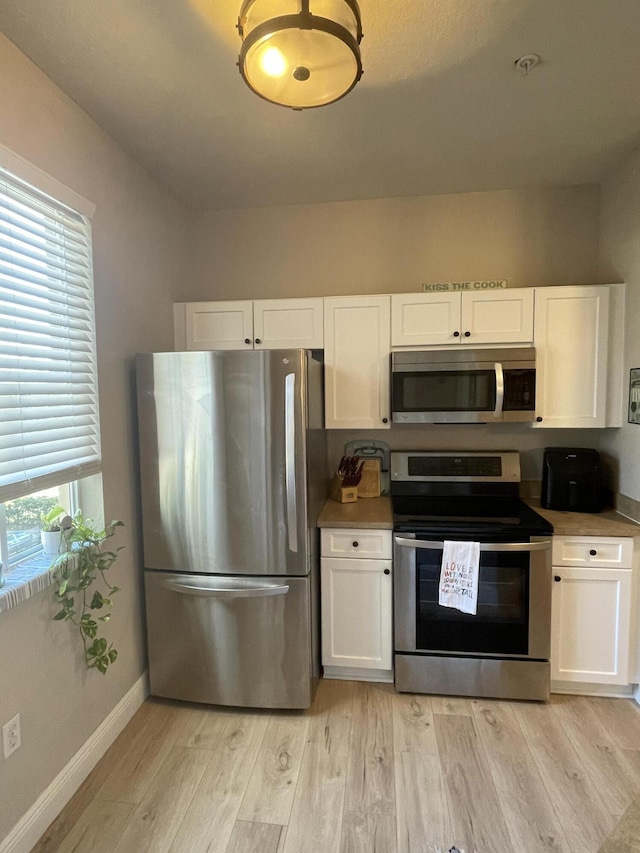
x: 593, y: 552
x: 557, y: 578
x: 355, y: 544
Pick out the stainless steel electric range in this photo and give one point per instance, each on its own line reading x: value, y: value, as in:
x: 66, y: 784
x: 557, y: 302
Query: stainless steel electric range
x: 503, y: 650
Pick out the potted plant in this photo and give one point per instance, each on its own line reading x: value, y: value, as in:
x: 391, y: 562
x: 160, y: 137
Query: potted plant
x: 51, y: 534
x: 85, y: 561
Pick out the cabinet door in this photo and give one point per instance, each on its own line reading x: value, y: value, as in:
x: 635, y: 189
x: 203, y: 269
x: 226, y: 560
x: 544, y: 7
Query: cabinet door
x: 219, y: 325
x: 357, y: 344
x: 288, y: 323
x: 425, y: 319
x: 571, y: 339
x: 356, y: 613
x: 362, y: 543
x: 607, y: 552
x: 497, y: 317
x: 590, y: 625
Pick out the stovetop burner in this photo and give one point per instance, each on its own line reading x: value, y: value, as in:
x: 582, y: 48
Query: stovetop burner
x: 448, y: 497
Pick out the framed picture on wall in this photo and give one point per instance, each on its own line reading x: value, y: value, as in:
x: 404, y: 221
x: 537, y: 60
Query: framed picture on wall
x: 634, y: 396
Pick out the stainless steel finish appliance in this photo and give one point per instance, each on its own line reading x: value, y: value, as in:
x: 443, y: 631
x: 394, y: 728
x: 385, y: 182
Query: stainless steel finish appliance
x: 503, y: 650
x: 463, y: 386
x: 233, y: 474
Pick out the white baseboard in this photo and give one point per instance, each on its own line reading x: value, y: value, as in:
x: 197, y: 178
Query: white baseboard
x: 354, y: 673
x: 50, y: 803
x: 578, y: 688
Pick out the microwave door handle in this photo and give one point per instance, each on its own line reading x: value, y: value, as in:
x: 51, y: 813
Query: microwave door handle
x: 499, y: 390
x: 542, y: 545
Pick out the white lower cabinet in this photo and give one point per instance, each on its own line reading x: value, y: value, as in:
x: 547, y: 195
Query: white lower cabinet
x: 357, y: 606
x: 591, y: 611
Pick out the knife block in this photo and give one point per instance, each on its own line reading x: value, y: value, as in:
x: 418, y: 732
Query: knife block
x: 343, y: 494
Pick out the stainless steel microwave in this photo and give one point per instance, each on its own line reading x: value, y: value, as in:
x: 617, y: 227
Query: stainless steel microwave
x: 464, y: 386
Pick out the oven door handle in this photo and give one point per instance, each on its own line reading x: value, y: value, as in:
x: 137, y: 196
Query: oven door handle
x: 499, y: 390
x: 484, y: 546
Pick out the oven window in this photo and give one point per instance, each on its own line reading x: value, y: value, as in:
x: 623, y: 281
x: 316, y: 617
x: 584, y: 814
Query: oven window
x: 446, y: 391
x: 501, y: 625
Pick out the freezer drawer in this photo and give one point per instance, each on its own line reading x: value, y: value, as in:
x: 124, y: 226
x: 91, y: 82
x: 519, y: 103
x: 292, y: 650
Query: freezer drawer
x: 230, y: 640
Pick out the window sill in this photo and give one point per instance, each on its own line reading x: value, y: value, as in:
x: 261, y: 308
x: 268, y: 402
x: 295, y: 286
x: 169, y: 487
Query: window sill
x: 24, y: 581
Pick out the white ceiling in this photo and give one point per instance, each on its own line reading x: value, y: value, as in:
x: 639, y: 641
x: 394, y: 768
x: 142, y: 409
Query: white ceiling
x: 441, y: 107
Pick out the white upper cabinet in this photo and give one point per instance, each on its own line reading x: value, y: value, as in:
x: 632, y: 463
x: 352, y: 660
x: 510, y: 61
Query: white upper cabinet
x: 356, y: 355
x: 472, y: 318
x: 425, y: 319
x: 247, y: 324
x: 288, y: 323
x: 571, y: 340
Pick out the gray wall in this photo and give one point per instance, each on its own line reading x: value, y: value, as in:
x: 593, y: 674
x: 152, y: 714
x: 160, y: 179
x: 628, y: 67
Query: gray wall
x: 139, y: 253
x: 530, y: 237
x: 620, y: 242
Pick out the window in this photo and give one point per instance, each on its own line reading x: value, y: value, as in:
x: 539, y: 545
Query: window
x: 49, y: 427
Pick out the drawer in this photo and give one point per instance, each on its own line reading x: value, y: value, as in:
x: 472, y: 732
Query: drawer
x: 356, y: 542
x: 596, y: 551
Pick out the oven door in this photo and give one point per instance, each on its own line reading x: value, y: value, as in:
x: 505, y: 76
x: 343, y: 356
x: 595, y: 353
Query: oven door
x: 513, y: 617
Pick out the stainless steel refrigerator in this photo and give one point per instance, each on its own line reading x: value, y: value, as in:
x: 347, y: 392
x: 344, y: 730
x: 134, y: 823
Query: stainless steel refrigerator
x: 233, y: 474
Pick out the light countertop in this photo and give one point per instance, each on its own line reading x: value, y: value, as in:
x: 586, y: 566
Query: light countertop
x: 378, y: 513
x: 607, y: 523
x: 365, y: 512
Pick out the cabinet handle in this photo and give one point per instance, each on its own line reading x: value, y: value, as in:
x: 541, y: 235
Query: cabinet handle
x: 247, y: 340
x: 385, y: 420
x: 593, y: 552
x: 258, y: 341
x: 557, y: 578
x: 355, y: 544
x: 387, y: 571
x: 467, y: 334
x: 456, y: 334
x: 539, y: 419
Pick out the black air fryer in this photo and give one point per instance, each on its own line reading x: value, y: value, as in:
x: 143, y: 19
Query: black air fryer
x: 571, y: 479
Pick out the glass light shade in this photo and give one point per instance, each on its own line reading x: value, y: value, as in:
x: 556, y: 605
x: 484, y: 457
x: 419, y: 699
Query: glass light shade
x: 300, y: 57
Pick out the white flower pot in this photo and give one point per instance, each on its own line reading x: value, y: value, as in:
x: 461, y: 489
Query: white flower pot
x: 52, y: 542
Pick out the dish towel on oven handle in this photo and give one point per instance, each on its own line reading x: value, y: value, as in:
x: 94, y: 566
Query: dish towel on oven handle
x: 459, y: 576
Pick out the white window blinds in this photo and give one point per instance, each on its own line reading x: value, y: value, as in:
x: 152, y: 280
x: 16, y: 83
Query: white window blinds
x: 49, y: 429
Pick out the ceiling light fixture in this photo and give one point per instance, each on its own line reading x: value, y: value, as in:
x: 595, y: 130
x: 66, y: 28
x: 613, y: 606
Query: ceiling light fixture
x: 297, y: 56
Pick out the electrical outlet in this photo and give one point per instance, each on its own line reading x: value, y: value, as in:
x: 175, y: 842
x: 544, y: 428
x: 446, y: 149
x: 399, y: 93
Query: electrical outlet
x: 11, y: 739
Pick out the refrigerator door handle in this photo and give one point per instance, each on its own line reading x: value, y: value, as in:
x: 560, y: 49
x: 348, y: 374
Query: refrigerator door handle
x: 290, y: 459
x: 225, y: 589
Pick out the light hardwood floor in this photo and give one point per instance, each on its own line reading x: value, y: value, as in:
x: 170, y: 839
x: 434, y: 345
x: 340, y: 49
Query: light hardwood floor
x: 365, y: 770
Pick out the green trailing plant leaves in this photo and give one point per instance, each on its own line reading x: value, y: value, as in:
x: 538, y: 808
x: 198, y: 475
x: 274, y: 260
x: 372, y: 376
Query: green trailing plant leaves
x: 85, y: 561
